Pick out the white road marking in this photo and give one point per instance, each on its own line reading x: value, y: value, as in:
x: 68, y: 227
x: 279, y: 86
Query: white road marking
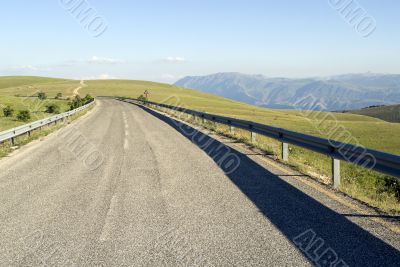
x: 109, y: 222
x: 126, y: 144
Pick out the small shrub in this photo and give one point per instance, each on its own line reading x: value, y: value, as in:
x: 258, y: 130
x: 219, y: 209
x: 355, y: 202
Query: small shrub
x: 24, y: 115
x: 388, y: 184
x: 42, y: 95
x: 58, y: 96
x: 53, y: 108
x: 8, y: 111
x: 142, y: 98
x: 87, y: 99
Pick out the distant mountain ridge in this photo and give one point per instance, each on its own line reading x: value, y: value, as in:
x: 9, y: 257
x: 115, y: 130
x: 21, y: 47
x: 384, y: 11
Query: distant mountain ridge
x: 341, y: 92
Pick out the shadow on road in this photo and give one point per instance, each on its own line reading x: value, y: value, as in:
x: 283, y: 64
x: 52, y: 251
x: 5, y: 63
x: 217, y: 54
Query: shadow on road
x: 294, y: 213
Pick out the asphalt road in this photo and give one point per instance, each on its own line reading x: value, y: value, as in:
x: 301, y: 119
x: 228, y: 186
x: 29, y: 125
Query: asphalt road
x: 125, y: 187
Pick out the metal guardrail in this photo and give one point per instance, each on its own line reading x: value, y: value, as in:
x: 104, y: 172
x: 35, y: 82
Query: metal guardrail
x: 368, y: 158
x: 27, y: 128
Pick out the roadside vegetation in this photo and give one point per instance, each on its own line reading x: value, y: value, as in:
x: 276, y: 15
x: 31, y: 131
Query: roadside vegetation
x: 79, y: 102
x: 6, y: 147
x: 142, y: 98
x: 42, y: 97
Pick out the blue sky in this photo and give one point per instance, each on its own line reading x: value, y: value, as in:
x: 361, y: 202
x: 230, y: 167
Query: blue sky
x: 165, y: 40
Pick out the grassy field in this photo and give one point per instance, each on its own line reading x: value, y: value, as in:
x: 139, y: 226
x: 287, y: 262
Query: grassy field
x: 12, y: 81
x: 18, y: 92
x: 376, y: 189
x: 386, y: 113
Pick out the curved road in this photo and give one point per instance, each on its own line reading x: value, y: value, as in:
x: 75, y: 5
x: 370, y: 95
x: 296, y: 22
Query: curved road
x: 124, y: 187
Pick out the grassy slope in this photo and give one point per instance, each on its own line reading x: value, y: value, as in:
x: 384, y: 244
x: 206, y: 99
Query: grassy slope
x: 12, y: 81
x: 386, y: 113
x: 16, y: 92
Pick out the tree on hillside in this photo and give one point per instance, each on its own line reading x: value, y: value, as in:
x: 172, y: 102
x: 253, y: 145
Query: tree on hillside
x: 53, y: 108
x: 24, y: 115
x: 87, y: 99
x: 142, y: 98
x: 8, y: 111
x: 42, y: 95
x: 75, y: 103
x: 79, y: 102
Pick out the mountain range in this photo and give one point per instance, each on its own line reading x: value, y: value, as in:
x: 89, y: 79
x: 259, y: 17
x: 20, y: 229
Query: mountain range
x: 335, y: 93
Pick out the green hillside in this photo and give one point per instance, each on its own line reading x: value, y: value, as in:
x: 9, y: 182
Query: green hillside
x: 18, y: 92
x: 13, y: 81
x: 387, y: 113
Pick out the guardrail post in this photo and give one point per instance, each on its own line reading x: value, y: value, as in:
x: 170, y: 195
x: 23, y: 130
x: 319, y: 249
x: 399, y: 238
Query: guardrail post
x: 285, y: 152
x: 253, y: 137
x: 12, y: 140
x: 232, y: 130
x: 336, y: 173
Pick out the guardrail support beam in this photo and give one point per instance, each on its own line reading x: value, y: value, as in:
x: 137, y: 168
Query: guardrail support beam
x: 336, y: 173
x: 285, y: 152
